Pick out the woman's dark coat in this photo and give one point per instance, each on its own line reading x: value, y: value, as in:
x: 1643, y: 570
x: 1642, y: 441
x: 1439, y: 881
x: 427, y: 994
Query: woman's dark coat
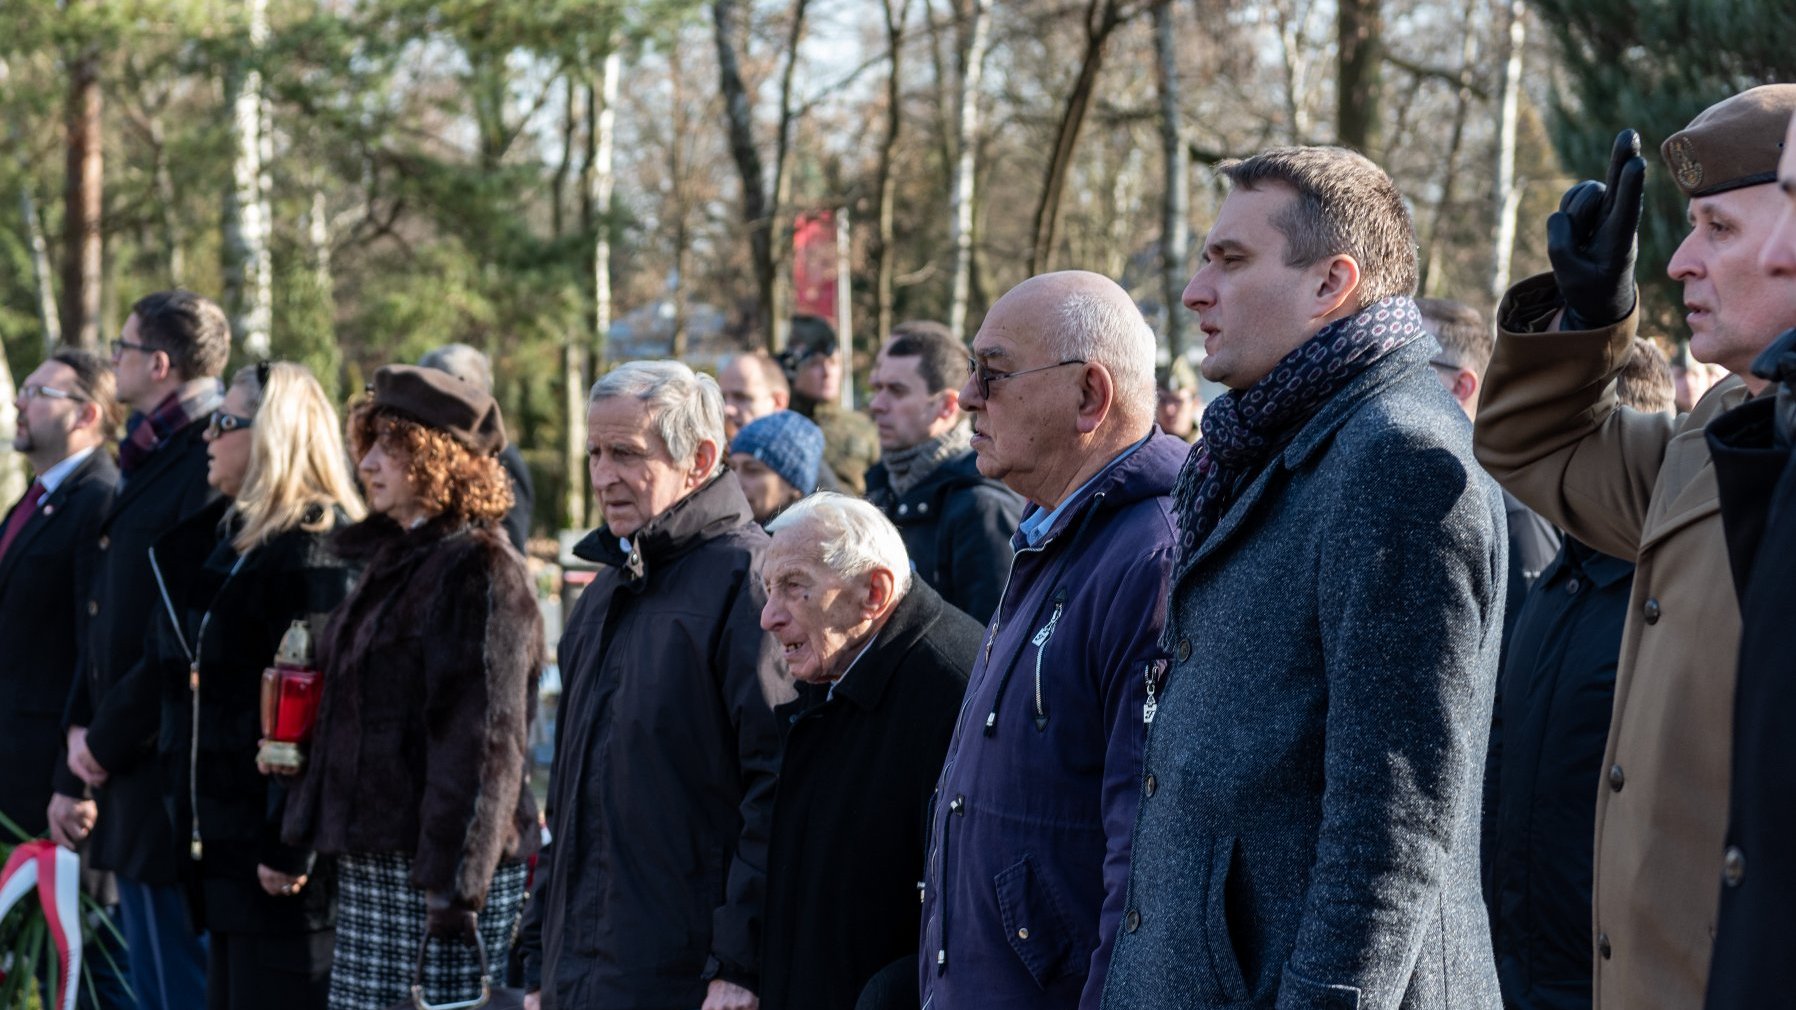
x: 430, y: 670
x: 294, y: 576
x: 1310, y: 799
x: 848, y: 818
x: 1757, y: 480
x: 956, y: 524
x: 665, y: 757
x: 42, y: 590
x: 1554, y: 700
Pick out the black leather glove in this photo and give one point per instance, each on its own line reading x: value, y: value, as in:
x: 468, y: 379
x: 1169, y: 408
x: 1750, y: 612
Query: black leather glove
x: 1592, y: 239
x: 1777, y: 363
x: 447, y: 918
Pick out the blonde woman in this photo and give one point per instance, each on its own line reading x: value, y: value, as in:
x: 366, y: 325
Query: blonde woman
x: 231, y: 580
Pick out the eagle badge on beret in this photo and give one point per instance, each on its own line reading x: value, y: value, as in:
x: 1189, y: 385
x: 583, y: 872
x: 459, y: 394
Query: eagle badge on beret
x: 1682, y: 155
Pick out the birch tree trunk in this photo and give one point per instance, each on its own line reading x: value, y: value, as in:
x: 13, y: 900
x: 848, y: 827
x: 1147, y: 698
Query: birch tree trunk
x: 83, y: 197
x: 248, y: 265
x: 12, y: 462
x: 42, y: 272
x: 1468, y: 54
x: 1175, y: 205
x: 885, y: 260
x: 1507, y: 196
x: 966, y: 145
x: 603, y: 102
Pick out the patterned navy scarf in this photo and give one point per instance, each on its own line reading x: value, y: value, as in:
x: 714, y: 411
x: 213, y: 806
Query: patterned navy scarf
x: 1245, y: 428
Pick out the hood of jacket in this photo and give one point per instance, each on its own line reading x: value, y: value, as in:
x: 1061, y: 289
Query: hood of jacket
x: 715, y: 507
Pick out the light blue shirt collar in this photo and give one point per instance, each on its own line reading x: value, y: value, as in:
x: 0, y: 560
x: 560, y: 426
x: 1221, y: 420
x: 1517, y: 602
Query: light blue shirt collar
x: 1036, y: 526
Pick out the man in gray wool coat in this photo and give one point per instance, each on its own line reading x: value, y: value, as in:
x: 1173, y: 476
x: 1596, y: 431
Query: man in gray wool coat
x: 1308, y: 828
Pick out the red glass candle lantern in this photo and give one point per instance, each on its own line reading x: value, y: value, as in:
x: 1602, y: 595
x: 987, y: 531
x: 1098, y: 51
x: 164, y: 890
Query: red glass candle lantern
x: 290, y: 691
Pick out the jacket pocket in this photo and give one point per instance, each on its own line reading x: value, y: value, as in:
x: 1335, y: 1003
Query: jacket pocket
x: 1295, y: 992
x: 1034, y: 923
x: 1225, y: 964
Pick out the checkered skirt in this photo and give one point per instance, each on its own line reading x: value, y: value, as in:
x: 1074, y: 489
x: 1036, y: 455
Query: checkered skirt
x: 380, y: 922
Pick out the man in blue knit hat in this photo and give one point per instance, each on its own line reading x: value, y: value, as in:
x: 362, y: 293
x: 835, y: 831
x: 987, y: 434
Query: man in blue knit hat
x: 776, y: 459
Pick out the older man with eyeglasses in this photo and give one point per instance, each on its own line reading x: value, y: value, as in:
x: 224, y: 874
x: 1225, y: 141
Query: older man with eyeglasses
x: 1030, y: 828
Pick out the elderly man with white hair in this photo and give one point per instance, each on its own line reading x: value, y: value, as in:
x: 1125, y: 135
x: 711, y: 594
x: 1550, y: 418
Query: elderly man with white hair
x: 879, y: 662
x: 1029, y: 839
x: 650, y: 893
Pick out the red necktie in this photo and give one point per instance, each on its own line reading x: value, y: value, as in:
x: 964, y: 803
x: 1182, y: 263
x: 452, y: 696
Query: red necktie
x: 21, y: 515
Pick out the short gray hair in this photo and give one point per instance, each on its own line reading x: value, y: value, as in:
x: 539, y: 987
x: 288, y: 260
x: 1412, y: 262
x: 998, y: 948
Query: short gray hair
x: 686, y: 407
x: 469, y: 364
x: 854, y: 537
x: 1116, y: 335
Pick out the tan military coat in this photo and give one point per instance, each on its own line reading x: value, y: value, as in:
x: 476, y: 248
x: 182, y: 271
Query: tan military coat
x: 1636, y: 486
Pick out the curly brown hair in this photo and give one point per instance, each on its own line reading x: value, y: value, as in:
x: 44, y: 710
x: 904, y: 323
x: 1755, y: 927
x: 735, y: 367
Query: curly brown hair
x: 447, y: 476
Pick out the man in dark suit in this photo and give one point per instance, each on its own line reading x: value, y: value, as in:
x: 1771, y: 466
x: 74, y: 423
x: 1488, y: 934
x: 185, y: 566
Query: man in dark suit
x: 167, y: 361
x: 67, y: 414
x: 67, y: 410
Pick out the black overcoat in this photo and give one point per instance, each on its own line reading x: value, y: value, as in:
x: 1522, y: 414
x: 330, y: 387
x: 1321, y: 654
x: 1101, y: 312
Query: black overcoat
x: 849, y: 815
x: 1757, y: 869
x: 665, y: 757
x: 231, y: 611
x: 41, y: 591
x: 116, y: 696
x: 1554, y: 696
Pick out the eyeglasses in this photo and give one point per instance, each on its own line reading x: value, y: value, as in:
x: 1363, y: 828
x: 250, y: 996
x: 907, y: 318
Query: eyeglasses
x: 120, y: 345
x: 223, y: 423
x: 1443, y: 363
x: 984, y: 376
x: 33, y: 391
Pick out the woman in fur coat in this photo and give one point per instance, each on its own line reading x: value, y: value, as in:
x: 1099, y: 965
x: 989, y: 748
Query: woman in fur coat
x: 416, y: 774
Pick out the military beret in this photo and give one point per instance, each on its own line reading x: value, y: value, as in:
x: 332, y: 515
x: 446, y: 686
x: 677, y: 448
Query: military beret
x: 811, y: 335
x: 441, y: 401
x: 1732, y: 144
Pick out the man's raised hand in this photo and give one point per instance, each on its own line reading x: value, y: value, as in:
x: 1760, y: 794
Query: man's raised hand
x: 1592, y: 239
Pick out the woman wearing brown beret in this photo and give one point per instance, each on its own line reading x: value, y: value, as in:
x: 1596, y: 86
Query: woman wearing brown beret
x: 416, y: 773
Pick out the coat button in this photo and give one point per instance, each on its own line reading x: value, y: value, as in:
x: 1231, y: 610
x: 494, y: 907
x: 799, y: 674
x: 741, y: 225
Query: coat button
x: 923, y: 508
x: 1602, y: 945
x: 1651, y: 611
x: 1132, y: 921
x: 1184, y: 649
x: 1023, y: 934
x: 1150, y: 785
x: 1616, y: 778
x: 1733, y: 866
x: 1573, y: 586
x: 957, y: 805
x: 904, y: 510
x: 93, y: 607
x: 105, y: 541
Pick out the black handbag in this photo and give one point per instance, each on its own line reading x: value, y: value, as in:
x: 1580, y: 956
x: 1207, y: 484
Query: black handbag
x: 490, y: 998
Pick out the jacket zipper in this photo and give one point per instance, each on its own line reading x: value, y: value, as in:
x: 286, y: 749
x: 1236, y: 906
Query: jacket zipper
x: 195, y: 846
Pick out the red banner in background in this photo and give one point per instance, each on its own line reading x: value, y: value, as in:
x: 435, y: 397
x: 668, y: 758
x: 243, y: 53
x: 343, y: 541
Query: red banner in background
x: 814, y: 265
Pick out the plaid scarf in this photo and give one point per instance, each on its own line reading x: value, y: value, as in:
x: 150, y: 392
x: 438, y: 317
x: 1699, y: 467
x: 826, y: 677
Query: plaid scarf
x: 1246, y: 427
x: 145, y: 433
